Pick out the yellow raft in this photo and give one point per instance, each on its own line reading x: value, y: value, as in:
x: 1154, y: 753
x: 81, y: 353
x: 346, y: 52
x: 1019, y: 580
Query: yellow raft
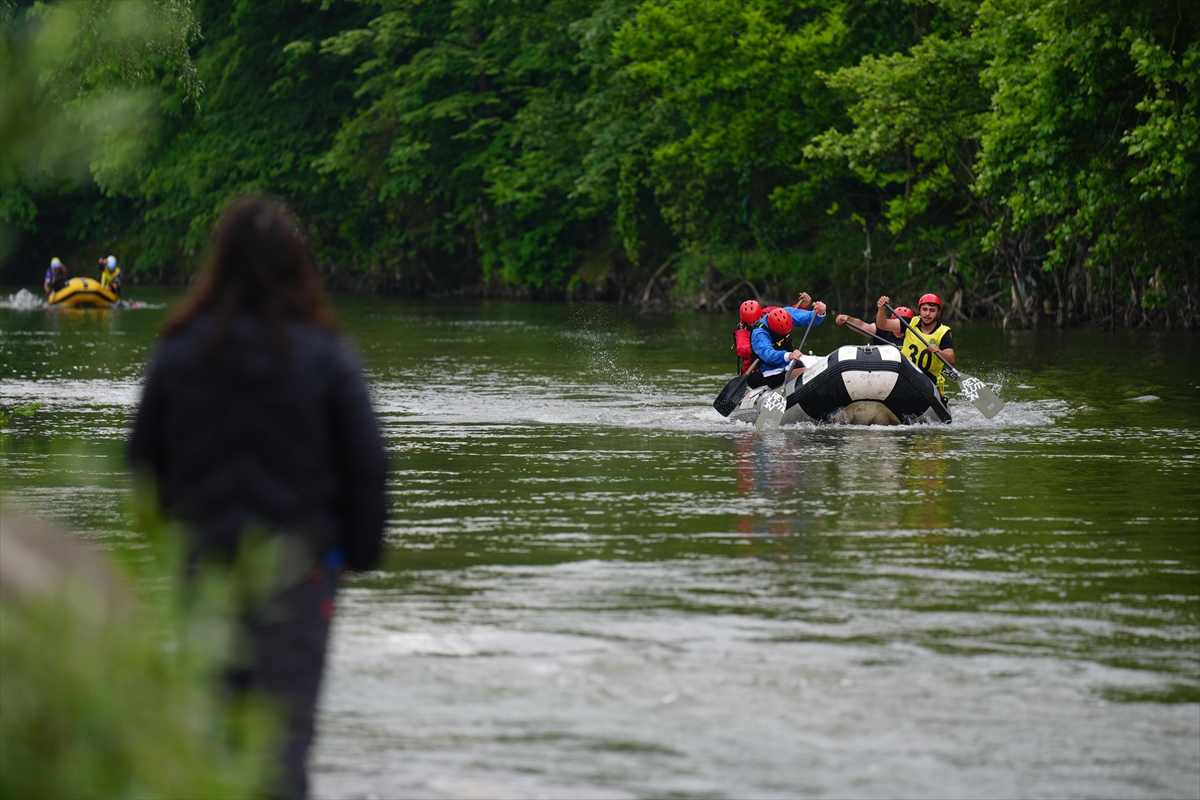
x: 83, y: 293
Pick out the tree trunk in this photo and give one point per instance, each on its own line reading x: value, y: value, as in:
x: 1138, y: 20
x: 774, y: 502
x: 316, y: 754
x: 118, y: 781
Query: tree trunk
x: 1061, y: 319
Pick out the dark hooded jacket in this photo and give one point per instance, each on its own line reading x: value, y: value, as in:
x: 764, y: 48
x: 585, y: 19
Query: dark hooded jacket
x: 267, y: 433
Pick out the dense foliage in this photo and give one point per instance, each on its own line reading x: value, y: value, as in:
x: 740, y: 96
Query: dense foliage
x: 1025, y: 158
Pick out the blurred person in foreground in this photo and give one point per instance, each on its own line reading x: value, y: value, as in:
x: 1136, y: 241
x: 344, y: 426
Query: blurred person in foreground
x: 257, y: 436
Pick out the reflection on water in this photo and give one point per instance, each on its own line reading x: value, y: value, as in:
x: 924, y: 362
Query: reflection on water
x: 598, y: 587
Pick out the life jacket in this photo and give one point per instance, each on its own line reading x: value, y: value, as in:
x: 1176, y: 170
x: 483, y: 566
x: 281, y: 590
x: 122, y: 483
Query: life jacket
x: 778, y: 342
x: 107, y: 278
x: 57, y: 277
x: 741, y: 346
x: 915, y: 349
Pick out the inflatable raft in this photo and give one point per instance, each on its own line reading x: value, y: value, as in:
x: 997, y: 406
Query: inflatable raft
x: 856, y: 386
x: 83, y: 293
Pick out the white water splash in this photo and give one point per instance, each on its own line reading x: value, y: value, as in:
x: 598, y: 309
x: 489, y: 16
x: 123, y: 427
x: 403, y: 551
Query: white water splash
x: 24, y: 300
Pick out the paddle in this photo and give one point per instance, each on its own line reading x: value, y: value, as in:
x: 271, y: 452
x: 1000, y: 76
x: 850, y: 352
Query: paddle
x: 770, y: 413
x: 774, y: 403
x: 866, y: 332
x: 732, y: 394
x: 812, y: 316
x: 978, y: 392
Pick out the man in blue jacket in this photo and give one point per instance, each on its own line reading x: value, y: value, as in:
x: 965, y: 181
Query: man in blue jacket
x: 772, y: 343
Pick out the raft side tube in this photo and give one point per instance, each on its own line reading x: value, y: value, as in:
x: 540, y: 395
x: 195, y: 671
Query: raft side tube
x: 83, y: 293
x: 857, y: 386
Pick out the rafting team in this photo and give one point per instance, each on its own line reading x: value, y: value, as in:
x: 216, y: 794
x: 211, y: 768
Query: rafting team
x: 110, y: 275
x: 765, y: 351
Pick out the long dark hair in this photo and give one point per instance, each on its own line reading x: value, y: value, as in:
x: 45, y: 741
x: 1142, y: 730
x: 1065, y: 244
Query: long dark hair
x: 259, y: 265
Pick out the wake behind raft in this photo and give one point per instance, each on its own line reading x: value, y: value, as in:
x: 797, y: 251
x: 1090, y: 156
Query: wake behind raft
x: 855, y: 386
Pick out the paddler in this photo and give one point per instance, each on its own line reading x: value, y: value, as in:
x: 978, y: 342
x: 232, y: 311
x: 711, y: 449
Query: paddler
x: 750, y: 314
x: 876, y: 327
x: 110, y: 275
x: 931, y: 337
x: 771, y: 341
x: 56, y: 276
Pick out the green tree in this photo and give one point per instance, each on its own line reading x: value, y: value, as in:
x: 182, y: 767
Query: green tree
x: 78, y: 94
x: 268, y: 113
x: 732, y: 97
x: 1091, y: 145
x: 468, y: 144
x: 1058, y: 139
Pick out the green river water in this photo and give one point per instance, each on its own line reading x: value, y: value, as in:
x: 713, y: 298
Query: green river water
x: 595, y: 586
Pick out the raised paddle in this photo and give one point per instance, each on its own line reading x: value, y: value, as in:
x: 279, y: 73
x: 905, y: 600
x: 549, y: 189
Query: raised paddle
x: 978, y: 392
x: 770, y: 413
x: 866, y: 332
x: 733, y: 392
x: 811, y: 316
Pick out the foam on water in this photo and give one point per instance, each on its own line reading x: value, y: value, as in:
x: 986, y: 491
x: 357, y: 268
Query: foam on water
x: 514, y: 398
x: 24, y: 300
x: 73, y: 395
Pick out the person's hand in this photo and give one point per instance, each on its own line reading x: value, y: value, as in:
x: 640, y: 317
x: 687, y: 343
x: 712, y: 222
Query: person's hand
x: 840, y: 319
x: 795, y: 355
x: 803, y: 301
x: 883, y: 301
x: 819, y: 307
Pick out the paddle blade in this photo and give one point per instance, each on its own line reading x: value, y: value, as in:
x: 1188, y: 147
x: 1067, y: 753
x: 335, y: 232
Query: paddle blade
x: 730, y: 396
x: 982, y: 397
x: 770, y: 413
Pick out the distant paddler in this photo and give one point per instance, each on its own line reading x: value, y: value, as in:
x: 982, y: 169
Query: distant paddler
x: 56, y: 276
x: 110, y: 275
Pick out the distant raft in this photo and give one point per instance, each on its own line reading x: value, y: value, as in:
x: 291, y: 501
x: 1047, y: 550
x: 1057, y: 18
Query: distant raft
x: 855, y: 386
x: 83, y: 293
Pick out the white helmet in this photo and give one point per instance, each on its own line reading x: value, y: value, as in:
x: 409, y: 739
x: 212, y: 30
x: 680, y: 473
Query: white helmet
x: 54, y: 262
x: 112, y: 263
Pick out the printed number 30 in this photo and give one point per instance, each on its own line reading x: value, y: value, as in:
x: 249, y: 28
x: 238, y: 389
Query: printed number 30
x: 923, y: 359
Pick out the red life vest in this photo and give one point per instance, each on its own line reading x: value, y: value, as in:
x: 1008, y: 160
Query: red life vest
x: 741, y: 344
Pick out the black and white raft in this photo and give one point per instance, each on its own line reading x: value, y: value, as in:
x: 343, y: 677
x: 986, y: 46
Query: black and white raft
x: 855, y: 386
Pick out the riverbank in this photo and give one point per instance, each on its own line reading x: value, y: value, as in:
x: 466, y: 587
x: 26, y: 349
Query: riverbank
x: 1078, y: 299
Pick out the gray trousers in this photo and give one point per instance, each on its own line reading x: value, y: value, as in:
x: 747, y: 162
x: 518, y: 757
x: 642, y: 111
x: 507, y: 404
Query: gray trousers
x: 286, y: 644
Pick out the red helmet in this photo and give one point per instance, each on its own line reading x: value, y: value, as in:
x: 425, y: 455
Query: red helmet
x: 929, y: 298
x: 779, y: 321
x: 906, y: 312
x: 752, y: 312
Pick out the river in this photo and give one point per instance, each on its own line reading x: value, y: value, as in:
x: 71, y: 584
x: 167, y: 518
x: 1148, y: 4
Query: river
x: 597, y: 587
